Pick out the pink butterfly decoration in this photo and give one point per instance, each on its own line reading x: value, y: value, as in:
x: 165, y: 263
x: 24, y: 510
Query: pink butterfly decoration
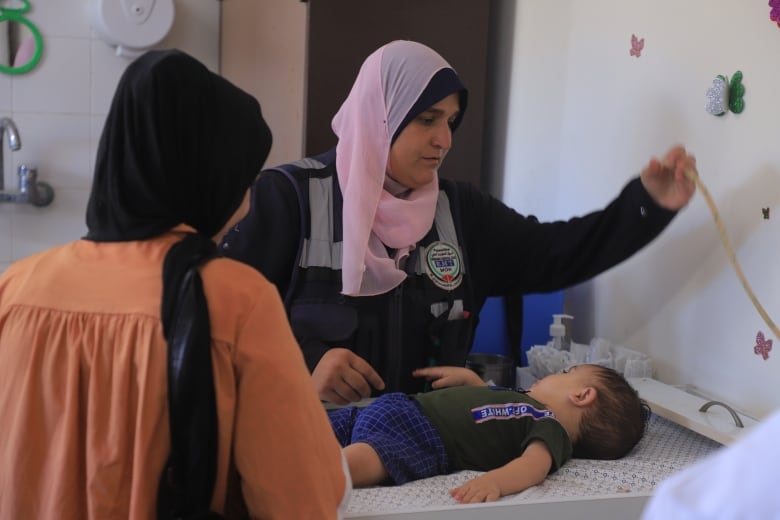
x: 637, y: 45
x: 763, y: 346
x: 774, y: 14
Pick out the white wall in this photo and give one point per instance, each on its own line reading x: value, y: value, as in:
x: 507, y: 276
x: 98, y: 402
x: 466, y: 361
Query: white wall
x: 59, y: 109
x: 533, y: 103
x: 585, y: 116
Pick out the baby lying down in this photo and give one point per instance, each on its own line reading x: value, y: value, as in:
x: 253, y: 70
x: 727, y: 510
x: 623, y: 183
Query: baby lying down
x: 666, y: 448
x: 516, y: 438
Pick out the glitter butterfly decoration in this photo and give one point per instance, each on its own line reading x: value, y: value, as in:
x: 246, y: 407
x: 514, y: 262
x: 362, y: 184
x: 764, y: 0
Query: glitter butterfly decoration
x: 725, y: 95
x: 763, y: 346
x: 774, y: 14
x: 637, y: 45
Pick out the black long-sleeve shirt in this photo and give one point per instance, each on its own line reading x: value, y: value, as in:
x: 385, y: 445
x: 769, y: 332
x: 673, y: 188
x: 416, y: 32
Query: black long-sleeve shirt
x: 505, y: 253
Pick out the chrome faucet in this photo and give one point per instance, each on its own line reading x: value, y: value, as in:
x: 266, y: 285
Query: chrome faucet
x: 14, y: 143
x: 31, y: 191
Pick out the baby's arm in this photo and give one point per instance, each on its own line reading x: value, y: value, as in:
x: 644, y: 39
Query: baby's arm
x: 527, y: 470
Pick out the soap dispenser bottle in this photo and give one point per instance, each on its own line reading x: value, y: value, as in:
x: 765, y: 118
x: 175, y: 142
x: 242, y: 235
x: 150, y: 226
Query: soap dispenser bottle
x: 560, y: 341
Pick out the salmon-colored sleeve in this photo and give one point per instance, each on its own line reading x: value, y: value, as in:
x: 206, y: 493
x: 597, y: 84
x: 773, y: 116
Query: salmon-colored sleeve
x: 285, y: 451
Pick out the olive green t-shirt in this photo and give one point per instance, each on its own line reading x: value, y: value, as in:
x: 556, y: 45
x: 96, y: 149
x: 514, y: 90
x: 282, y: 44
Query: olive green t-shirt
x: 485, y: 428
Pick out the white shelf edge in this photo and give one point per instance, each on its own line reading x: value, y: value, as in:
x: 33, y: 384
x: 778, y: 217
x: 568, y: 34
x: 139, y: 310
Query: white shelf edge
x: 682, y: 407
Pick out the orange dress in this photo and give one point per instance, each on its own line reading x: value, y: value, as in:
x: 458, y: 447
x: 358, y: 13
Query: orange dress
x: 83, y: 396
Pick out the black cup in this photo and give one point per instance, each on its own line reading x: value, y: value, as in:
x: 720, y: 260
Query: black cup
x: 493, y: 367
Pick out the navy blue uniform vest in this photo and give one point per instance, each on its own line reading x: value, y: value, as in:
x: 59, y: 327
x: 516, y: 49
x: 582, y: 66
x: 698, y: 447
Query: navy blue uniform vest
x: 424, y: 321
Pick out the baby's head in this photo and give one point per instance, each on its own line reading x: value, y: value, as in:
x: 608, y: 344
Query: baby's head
x: 602, y: 412
x: 617, y: 420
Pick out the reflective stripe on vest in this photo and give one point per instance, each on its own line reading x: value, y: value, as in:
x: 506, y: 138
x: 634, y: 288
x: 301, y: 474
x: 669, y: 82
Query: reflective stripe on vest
x: 319, y: 249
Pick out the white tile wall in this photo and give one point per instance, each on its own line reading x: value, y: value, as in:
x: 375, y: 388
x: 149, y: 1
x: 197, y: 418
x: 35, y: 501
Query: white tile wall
x: 102, y: 84
x: 60, y: 82
x: 5, y: 93
x: 59, y: 109
x: 62, y: 19
x: 6, y: 214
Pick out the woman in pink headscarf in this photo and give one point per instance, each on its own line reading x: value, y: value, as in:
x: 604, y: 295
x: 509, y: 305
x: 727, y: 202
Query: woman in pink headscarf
x: 384, y: 267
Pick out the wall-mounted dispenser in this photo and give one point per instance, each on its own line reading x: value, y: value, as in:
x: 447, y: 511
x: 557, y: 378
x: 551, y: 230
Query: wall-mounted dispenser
x: 132, y: 26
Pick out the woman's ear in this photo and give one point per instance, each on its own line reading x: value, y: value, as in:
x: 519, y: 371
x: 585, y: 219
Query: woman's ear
x: 585, y: 396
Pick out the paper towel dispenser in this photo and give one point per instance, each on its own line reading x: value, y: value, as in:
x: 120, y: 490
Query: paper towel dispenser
x: 132, y: 26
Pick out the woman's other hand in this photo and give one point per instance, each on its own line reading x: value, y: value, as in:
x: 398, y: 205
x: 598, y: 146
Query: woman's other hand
x: 343, y: 377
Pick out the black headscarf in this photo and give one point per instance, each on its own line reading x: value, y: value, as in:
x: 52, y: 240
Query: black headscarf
x: 180, y: 145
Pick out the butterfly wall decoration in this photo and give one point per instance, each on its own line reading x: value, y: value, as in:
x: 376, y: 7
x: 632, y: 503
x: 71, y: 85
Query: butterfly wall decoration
x: 765, y: 213
x: 763, y: 346
x: 724, y: 95
x: 774, y: 13
x: 637, y: 45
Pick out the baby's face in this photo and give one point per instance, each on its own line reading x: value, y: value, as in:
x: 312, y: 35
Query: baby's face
x: 563, y: 382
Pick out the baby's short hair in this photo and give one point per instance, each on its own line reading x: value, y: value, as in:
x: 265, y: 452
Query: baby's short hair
x: 616, y: 422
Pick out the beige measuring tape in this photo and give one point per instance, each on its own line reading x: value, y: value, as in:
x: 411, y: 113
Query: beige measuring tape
x: 690, y: 174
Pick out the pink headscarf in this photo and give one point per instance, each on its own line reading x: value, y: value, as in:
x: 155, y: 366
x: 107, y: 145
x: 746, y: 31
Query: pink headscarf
x: 386, y: 88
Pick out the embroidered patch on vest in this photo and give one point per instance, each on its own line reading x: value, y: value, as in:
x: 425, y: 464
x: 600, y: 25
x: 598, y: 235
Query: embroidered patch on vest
x: 443, y: 265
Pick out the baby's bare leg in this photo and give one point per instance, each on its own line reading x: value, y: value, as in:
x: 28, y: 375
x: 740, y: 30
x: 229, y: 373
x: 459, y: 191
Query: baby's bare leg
x: 365, y: 467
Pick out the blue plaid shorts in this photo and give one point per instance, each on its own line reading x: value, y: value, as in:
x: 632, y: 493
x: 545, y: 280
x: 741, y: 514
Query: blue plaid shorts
x: 404, y: 438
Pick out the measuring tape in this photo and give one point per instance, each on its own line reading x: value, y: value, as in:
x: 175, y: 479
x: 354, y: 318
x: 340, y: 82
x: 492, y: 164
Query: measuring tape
x: 691, y: 175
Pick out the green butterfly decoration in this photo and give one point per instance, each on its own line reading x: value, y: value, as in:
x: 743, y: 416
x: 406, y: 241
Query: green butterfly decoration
x: 725, y: 95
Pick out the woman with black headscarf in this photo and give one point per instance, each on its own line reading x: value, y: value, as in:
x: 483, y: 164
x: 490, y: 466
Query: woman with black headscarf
x: 140, y: 374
